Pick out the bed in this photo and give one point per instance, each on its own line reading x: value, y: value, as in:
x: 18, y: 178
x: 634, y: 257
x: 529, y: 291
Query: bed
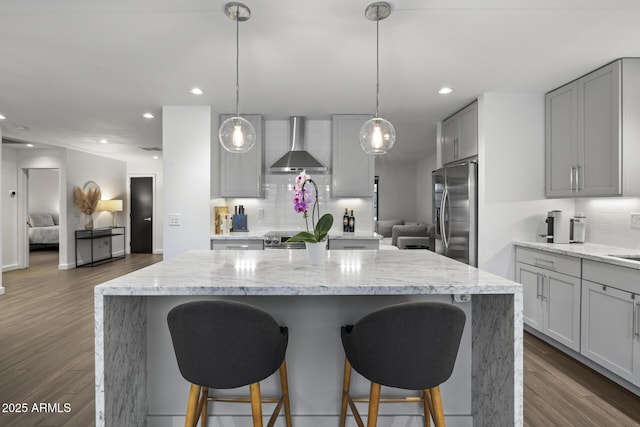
x: 43, y: 230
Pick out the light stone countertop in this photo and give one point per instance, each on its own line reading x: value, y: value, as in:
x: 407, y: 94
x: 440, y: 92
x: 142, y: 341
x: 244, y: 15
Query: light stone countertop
x: 258, y: 235
x: 591, y: 251
x: 288, y: 272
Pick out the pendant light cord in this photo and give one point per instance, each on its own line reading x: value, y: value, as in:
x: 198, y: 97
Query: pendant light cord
x: 377, y: 59
x: 237, y: 60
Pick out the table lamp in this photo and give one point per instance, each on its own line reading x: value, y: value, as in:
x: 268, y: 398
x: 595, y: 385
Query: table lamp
x: 112, y: 206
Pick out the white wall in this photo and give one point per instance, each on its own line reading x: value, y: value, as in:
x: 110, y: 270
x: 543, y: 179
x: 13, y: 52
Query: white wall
x: 608, y: 221
x: 150, y: 168
x: 1, y: 213
x: 186, y: 142
x: 44, y: 191
x: 397, y: 188
x: 511, y: 200
x: 9, y: 209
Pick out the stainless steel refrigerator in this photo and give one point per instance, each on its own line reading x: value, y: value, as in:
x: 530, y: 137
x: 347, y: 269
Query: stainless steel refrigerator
x: 455, y: 211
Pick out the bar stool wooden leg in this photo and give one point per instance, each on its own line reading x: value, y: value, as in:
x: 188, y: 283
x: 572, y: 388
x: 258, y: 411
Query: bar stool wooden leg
x: 345, y: 392
x: 426, y: 401
x: 438, y: 413
x: 284, y: 384
x: 374, y: 404
x: 256, y: 404
x: 192, y: 404
x: 205, y: 403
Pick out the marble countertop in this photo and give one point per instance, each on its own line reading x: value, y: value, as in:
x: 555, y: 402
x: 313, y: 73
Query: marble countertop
x: 288, y: 272
x: 592, y: 251
x: 258, y: 235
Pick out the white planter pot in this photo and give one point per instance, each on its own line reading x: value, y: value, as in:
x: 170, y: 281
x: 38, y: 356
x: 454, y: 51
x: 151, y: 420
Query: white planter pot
x: 317, y: 252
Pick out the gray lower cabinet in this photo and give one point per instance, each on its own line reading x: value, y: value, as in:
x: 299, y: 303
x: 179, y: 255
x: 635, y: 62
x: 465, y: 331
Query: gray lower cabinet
x: 352, y: 169
x: 242, y: 174
x: 237, y: 244
x: 366, y: 244
x: 551, y: 297
x: 611, y: 318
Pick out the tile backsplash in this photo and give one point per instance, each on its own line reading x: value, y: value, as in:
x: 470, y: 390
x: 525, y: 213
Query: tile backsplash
x: 608, y: 221
x: 277, y: 207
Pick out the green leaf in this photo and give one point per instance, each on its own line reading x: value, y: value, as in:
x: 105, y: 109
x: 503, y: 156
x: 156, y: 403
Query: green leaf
x: 323, y: 226
x: 303, y: 236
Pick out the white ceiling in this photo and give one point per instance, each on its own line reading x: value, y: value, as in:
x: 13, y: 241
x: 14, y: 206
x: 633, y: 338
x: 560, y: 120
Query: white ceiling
x: 76, y: 71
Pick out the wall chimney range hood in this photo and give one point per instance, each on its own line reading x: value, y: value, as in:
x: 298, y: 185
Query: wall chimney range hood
x: 297, y: 159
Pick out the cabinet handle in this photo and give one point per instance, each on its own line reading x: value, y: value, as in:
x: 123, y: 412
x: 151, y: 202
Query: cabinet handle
x: 538, y: 293
x: 544, y: 263
x: 636, y: 318
x: 571, y: 168
x: 545, y: 296
x: 237, y: 246
x: 354, y: 247
x: 578, y: 168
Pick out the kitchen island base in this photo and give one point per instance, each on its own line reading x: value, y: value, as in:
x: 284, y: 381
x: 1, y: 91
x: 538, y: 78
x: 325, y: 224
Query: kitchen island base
x: 138, y: 383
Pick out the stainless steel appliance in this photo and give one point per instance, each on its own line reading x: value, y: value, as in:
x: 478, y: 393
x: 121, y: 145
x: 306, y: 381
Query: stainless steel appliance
x: 578, y: 228
x: 455, y: 211
x: 558, y: 227
x: 278, y: 239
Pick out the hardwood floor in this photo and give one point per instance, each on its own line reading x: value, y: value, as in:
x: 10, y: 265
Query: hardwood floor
x: 46, y: 340
x: 46, y: 356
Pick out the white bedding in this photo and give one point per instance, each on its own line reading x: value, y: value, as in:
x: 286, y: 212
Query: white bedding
x: 44, y: 235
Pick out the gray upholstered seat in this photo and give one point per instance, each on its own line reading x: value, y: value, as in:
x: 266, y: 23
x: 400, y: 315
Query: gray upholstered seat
x: 225, y: 344
x: 411, y: 346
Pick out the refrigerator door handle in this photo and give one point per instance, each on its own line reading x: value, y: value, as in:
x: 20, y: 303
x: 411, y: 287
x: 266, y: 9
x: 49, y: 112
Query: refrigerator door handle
x: 443, y: 230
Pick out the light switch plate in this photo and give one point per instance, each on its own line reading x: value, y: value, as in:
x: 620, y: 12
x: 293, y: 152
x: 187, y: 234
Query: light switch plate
x: 634, y: 219
x: 174, y: 220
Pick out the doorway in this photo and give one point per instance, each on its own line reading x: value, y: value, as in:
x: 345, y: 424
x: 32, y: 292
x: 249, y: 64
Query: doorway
x: 141, y: 216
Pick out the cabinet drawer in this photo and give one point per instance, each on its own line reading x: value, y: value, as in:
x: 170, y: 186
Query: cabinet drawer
x: 549, y: 261
x: 237, y: 244
x: 356, y: 244
x: 626, y: 279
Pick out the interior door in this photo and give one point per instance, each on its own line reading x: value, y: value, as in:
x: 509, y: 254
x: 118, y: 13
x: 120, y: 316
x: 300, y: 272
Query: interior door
x: 141, y: 214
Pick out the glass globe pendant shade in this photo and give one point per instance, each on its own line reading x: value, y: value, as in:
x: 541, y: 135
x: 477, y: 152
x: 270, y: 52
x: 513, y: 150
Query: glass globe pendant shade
x: 237, y: 135
x: 377, y: 136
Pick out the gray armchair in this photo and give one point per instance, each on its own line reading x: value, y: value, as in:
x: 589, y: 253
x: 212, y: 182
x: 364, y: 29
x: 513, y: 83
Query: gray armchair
x: 409, y: 235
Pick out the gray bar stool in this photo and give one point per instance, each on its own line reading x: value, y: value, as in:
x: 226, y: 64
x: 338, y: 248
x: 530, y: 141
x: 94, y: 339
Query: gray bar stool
x: 411, y: 346
x: 224, y: 345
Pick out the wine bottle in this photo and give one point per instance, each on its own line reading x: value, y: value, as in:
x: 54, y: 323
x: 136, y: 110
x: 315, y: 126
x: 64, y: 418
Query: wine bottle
x: 345, y: 221
x: 352, y: 222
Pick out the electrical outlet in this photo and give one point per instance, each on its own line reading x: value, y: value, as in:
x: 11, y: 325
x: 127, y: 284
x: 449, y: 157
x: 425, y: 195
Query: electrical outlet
x: 634, y: 219
x: 174, y: 220
x: 260, y: 213
x: 461, y: 298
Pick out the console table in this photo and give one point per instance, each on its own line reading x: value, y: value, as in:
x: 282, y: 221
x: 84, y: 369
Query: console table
x: 98, y: 254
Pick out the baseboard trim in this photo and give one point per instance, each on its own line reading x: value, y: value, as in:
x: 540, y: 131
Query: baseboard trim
x: 10, y: 267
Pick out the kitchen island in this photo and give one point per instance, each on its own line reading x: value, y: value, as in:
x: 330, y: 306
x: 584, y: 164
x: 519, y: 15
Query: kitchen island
x: 138, y: 382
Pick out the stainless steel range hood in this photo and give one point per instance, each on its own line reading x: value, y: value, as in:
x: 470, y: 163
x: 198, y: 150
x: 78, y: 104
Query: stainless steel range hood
x: 297, y: 159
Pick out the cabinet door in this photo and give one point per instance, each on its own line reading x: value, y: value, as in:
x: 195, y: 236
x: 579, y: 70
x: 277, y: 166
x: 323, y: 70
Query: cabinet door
x: 468, y: 132
x: 599, y: 133
x: 561, y: 140
x: 530, y: 279
x: 608, y: 330
x: 241, y: 174
x: 352, y: 168
x: 561, y: 295
x: 449, y: 139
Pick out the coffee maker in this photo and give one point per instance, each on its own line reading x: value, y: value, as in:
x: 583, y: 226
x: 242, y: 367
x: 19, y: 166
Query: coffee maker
x: 558, y: 227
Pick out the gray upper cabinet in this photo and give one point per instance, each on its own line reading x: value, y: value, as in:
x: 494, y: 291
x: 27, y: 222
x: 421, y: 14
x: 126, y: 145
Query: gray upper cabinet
x: 460, y: 135
x: 586, y: 133
x: 242, y: 174
x: 352, y: 168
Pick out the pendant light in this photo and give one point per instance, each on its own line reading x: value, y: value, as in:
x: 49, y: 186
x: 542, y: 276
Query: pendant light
x: 377, y: 135
x: 237, y: 134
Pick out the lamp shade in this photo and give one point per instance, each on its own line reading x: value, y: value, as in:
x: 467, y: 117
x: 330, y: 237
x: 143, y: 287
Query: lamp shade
x: 237, y: 135
x: 377, y: 136
x: 110, y: 205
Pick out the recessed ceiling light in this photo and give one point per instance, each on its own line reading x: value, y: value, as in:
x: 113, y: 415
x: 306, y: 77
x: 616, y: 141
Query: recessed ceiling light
x: 29, y: 145
x: 445, y: 90
x: 103, y: 141
x: 148, y: 116
x: 22, y: 128
x: 196, y: 91
x: 156, y: 157
x: 2, y: 117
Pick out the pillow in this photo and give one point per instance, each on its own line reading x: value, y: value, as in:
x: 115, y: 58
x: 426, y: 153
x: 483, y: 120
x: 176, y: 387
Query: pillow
x: 41, y: 220
x: 56, y: 218
x: 383, y: 227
